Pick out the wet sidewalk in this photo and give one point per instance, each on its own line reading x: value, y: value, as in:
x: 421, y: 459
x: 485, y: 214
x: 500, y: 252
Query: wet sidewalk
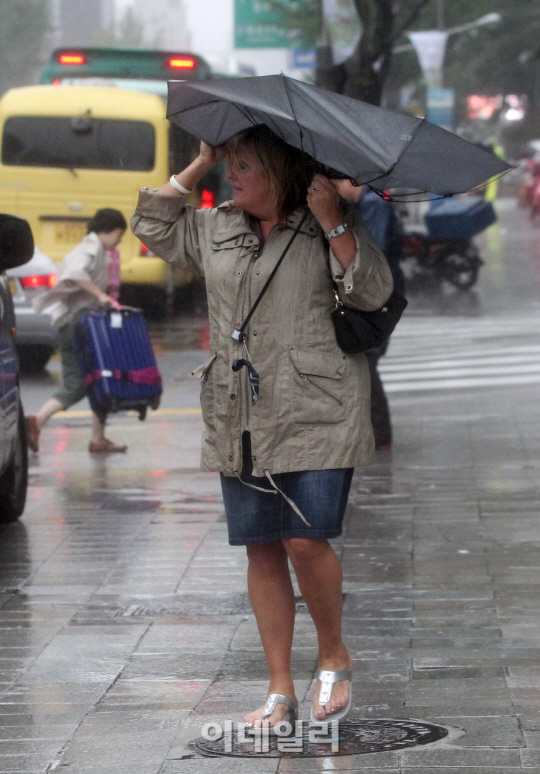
x: 124, y: 619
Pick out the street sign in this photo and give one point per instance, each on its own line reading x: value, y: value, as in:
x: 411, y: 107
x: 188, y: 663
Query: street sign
x: 304, y: 58
x: 257, y: 25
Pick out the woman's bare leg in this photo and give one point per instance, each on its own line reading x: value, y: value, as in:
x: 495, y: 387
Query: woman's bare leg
x: 320, y: 578
x: 52, y: 406
x: 272, y: 598
x: 98, y: 430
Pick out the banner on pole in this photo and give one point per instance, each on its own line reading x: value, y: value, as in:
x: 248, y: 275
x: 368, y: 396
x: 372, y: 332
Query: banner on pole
x: 430, y: 47
x: 343, y: 28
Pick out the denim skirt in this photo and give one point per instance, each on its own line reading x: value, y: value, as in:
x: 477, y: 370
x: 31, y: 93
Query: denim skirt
x: 262, y: 517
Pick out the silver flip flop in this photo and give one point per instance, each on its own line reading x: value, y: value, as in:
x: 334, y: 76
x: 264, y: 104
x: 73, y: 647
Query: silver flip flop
x: 328, y: 678
x: 273, y: 700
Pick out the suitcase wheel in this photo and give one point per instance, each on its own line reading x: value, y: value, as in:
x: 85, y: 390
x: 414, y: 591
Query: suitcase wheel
x: 142, y: 413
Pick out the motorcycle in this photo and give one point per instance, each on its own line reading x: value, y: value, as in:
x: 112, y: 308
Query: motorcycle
x: 443, y: 251
x: 456, y: 261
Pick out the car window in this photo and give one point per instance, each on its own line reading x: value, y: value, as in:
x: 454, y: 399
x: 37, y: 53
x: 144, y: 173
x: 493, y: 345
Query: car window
x: 81, y: 141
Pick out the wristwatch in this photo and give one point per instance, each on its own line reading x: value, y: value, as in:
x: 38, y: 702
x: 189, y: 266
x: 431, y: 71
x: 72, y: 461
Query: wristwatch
x: 337, y: 231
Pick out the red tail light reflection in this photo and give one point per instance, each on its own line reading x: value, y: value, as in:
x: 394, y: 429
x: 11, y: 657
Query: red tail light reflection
x: 39, y: 281
x: 207, y: 200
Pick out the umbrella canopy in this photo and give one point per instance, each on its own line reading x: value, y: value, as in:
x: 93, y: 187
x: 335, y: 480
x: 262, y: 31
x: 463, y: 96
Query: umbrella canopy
x: 366, y: 143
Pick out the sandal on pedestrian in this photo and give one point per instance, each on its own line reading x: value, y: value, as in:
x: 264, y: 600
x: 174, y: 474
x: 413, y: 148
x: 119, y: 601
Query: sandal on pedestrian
x: 105, y: 446
x: 272, y: 701
x: 32, y: 432
x: 328, y: 678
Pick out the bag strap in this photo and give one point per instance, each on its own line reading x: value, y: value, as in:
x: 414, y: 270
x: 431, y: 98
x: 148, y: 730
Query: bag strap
x: 239, y: 334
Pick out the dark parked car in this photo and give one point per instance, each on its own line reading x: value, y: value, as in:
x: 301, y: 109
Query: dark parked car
x: 16, y: 248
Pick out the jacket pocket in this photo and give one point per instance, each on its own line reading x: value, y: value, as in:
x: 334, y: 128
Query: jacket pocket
x: 234, y: 238
x: 203, y: 372
x: 317, y: 387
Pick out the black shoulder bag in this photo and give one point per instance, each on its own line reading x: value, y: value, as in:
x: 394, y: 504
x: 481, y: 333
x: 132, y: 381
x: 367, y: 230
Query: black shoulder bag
x: 358, y: 331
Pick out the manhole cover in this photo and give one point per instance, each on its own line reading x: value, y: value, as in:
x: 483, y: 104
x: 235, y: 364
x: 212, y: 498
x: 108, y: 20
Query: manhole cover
x: 313, y: 740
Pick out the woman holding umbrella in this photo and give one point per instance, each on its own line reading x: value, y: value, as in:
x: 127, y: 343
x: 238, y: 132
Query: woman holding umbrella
x: 286, y: 412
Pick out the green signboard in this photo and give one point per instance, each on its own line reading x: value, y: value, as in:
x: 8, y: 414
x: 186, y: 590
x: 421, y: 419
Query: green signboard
x: 257, y: 25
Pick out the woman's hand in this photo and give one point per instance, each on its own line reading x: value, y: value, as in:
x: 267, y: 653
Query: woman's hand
x: 208, y: 157
x: 323, y: 201
x: 211, y: 155
x: 108, y: 302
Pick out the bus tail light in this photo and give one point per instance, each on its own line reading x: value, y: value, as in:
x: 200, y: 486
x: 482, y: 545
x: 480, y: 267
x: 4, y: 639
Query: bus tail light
x: 145, y: 252
x: 207, y: 200
x: 71, y: 58
x: 182, y: 63
x: 38, y: 281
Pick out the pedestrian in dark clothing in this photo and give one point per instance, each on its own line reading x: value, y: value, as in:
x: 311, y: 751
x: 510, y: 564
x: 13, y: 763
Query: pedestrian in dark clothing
x: 381, y: 219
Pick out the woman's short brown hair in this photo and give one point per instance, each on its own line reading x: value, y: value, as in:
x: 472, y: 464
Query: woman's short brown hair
x: 289, y: 171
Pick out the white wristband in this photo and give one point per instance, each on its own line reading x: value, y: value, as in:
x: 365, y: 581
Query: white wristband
x: 180, y: 188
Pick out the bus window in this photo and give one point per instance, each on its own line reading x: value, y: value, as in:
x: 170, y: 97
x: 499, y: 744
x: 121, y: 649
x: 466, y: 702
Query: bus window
x: 78, y: 142
x: 183, y: 148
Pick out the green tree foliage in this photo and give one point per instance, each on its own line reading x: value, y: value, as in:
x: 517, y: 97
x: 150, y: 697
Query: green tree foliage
x: 23, y: 24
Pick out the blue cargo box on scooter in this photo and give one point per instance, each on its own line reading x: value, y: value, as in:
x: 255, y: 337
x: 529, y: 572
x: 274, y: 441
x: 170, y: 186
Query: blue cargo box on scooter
x: 458, y: 218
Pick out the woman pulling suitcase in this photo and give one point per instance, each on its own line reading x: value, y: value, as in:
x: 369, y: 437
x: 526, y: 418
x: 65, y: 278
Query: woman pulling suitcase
x: 85, y: 279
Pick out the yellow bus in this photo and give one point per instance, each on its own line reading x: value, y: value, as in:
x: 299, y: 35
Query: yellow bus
x: 68, y: 150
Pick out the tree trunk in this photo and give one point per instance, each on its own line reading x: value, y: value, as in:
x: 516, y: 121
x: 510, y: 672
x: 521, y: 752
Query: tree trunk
x: 363, y: 75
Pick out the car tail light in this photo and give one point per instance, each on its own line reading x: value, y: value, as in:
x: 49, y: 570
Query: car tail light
x: 182, y: 63
x: 207, y: 200
x: 38, y: 281
x: 71, y: 58
x: 145, y: 252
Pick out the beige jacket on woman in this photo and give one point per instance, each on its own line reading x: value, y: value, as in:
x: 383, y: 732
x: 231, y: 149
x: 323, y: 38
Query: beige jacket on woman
x: 88, y: 262
x: 313, y: 411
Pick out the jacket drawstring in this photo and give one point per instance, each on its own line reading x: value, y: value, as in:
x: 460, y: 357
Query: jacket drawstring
x: 275, y: 490
x: 293, y: 505
x: 252, y: 486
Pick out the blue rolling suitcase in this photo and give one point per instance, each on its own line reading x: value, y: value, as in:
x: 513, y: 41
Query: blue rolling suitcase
x: 117, y: 362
